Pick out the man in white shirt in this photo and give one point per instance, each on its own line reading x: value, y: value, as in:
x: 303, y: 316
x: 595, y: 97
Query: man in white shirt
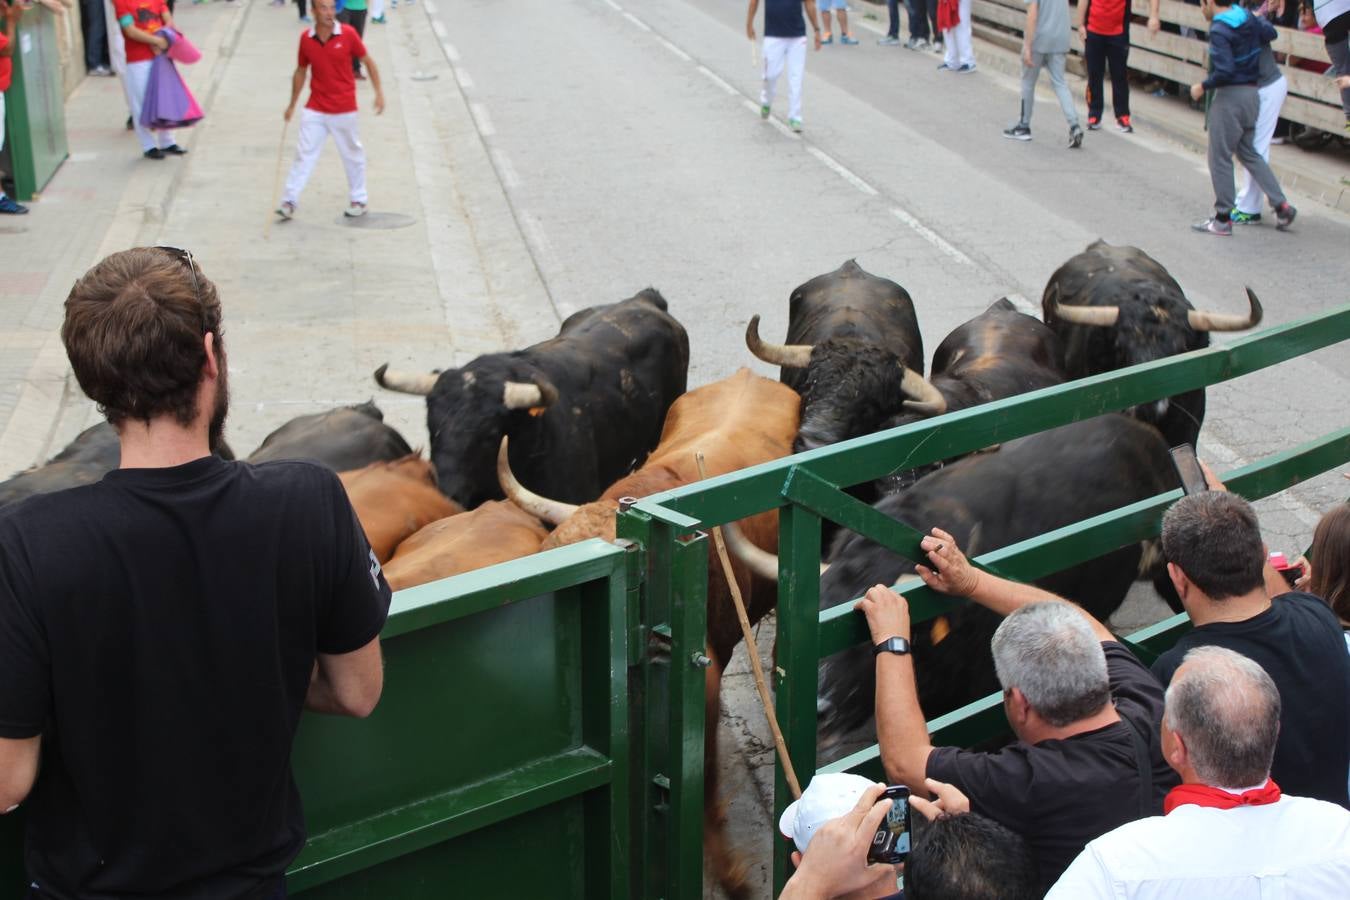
x: 1226, y: 831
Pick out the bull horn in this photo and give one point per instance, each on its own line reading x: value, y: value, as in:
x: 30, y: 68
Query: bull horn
x: 924, y: 398
x: 792, y: 356
x: 758, y: 560
x: 555, y: 512
x: 1104, y: 316
x: 405, y: 382
x: 1204, y: 320
x: 528, y: 395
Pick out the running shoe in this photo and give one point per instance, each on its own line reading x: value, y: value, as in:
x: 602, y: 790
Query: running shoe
x: 847, y: 39
x: 153, y: 153
x: 795, y: 125
x: 1075, y: 137
x: 826, y: 39
x: 889, y: 41
x: 916, y: 43
x: 174, y: 150
x: 1018, y: 132
x: 10, y: 208
x: 1123, y: 125
x: 1214, y: 226
x: 763, y: 111
x: 943, y: 67
x: 286, y: 210
x: 1241, y: 218
x: 355, y: 210
x: 1284, y: 215
x: 936, y: 46
x: 967, y: 67
x: 378, y: 20
x: 1094, y: 123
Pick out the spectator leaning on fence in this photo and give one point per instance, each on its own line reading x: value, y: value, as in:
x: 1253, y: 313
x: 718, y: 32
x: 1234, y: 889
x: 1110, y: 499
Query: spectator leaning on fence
x: 1085, y: 711
x: 1228, y: 830
x: 1217, y: 562
x: 1236, y: 38
x: 1045, y: 43
x: 1105, y: 29
x: 1334, y: 17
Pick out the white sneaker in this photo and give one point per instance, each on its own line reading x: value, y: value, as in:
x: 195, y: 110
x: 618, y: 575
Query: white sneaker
x: 355, y: 210
x: 286, y: 210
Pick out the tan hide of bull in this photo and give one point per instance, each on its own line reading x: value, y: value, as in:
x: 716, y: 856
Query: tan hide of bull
x: 495, y: 532
x: 394, y: 499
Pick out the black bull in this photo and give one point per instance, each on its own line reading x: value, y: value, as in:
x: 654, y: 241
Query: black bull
x: 1023, y: 489
x: 343, y: 439
x: 1115, y: 307
x: 853, y: 352
x: 581, y: 409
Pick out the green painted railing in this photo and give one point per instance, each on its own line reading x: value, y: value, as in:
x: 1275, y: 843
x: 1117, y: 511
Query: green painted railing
x: 497, y: 762
x: 807, y: 488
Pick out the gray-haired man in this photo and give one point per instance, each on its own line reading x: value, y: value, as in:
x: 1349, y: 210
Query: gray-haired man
x: 1228, y: 829
x: 1086, y: 714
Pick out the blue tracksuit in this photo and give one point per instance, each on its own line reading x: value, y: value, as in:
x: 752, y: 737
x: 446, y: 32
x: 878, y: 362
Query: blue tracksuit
x: 1235, y: 41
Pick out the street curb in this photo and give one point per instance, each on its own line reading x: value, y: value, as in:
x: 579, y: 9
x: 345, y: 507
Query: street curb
x: 1319, y: 187
x: 157, y: 206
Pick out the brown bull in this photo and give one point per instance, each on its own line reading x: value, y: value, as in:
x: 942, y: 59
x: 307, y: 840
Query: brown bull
x: 395, y: 499
x: 495, y: 532
x: 737, y: 422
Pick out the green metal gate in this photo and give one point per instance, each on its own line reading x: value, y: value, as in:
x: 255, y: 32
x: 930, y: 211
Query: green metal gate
x: 807, y: 488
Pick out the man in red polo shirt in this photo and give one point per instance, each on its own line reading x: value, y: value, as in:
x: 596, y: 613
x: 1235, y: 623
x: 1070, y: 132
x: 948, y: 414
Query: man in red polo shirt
x: 328, y: 51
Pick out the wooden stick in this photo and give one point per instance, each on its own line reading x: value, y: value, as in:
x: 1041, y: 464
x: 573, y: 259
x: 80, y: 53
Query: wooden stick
x: 276, y: 182
x: 788, y: 772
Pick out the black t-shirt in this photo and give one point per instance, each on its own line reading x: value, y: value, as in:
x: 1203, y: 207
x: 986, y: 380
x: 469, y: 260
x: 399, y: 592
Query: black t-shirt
x: 158, y: 629
x: 1298, y: 641
x: 784, y: 19
x: 1060, y: 794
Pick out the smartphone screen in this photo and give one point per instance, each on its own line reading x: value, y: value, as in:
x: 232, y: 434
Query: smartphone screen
x: 1188, y: 467
x: 892, y: 841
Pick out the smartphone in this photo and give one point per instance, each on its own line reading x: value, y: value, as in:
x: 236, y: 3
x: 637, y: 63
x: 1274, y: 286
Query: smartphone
x: 1188, y: 467
x: 891, y: 842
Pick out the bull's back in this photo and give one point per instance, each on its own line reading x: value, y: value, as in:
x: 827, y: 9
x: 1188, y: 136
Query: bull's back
x: 496, y: 532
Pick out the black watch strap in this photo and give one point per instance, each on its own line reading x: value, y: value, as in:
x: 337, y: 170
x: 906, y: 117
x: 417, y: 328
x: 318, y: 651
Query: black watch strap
x: 897, y: 645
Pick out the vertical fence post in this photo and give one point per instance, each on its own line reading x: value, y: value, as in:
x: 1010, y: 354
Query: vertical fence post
x: 669, y: 706
x: 798, y: 659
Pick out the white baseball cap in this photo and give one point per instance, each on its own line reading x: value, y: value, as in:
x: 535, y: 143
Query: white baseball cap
x: 828, y: 796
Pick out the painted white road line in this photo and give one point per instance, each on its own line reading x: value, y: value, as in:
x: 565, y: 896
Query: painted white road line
x: 480, y: 116
x: 717, y: 80
x: 842, y: 171
x: 450, y: 52
x: 430, y: 7
x: 616, y: 7
x: 439, y: 27
x: 1024, y: 305
x: 462, y: 74
x: 777, y: 123
x: 636, y: 21
x: 510, y: 177
x: 931, y: 236
x: 674, y: 49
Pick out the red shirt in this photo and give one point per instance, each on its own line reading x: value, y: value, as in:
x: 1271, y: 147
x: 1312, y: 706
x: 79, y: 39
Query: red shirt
x: 1107, y: 17
x: 148, y: 16
x: 6, y: 67
x: 332, y: 83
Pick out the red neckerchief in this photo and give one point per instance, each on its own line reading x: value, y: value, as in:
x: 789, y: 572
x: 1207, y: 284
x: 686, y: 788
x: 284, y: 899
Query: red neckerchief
x: 1204, y: 795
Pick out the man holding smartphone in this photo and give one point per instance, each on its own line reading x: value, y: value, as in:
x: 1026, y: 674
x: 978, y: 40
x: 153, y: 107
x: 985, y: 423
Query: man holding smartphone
x: 1217, y: 562
x: 1085, y: 711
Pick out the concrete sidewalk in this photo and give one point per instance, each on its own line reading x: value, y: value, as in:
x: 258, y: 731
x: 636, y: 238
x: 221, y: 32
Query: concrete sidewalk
x: 436, y: 274
x: 1322, y: 175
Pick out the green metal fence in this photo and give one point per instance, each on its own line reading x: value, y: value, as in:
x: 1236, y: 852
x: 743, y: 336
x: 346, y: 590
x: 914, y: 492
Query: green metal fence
x: 497, y: 763
x: 807, y: 489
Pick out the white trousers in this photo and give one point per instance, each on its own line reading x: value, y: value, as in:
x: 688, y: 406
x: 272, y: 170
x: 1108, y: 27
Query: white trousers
x: 315, y: 127
x: 376, y: 9
x: 957, y: 48
x: 117, y: 49
x: 1272, y: 99
x: 137, y: 77
x: 778, y: 52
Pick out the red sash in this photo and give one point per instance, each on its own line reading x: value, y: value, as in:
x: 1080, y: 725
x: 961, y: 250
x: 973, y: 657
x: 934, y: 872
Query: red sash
x: 1204, y: 795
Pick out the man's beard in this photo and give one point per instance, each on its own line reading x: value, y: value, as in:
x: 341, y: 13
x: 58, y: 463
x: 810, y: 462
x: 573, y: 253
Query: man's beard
x: 216, y: 429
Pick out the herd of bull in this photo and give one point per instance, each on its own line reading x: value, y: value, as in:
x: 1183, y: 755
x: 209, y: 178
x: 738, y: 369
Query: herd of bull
x: 533, y: 448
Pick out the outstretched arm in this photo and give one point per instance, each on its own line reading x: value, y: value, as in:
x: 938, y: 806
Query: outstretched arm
x: 902, y: 732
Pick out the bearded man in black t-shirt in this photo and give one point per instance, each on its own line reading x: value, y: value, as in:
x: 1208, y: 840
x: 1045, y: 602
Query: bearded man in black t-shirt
x: 1086, y: 712
x: 161, y: 630
x: 1217, y: 562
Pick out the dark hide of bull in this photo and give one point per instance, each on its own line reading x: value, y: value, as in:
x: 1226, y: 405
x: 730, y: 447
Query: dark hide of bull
x: 1153, y: 324
x: 998, y: 354
x: 614, y: 371
x: 1025, y: 488
x: 862, y: 329
x: 344, y: 439
x: 85, y: 460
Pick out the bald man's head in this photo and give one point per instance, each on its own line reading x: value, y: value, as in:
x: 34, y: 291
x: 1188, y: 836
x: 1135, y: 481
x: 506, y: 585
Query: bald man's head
x: 1227, y: 710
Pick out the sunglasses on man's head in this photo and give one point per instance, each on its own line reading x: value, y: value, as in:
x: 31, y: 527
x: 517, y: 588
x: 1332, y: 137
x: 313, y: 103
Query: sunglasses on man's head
x: 185, y: 256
